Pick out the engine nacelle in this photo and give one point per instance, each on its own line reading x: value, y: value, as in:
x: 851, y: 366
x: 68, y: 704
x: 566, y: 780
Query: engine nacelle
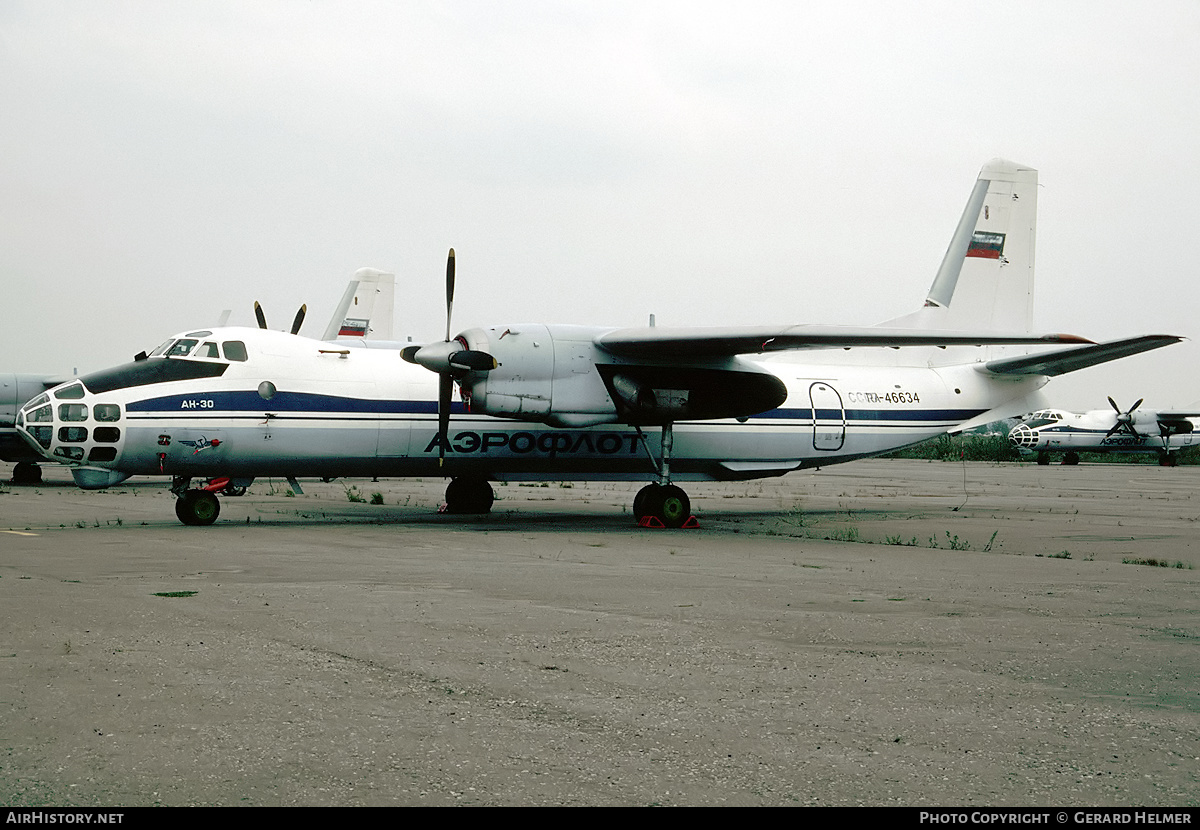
x: 557, y: 375
x: 545, y: 374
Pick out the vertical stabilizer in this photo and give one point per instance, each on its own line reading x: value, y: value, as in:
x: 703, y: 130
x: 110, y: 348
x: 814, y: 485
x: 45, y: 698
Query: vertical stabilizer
x: 366, y: 308
x: 986, y: 278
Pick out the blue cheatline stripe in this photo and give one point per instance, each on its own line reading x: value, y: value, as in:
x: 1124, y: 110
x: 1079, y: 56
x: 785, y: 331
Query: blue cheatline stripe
x: 938, y: 415
x: 205, y: 403
x: 1074, y: 430
x: 200, y: 402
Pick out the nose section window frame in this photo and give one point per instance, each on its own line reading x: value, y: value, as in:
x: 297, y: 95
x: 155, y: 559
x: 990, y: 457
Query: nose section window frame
x: 106, y: 412
x: 73, y: 435
x: 72, y: 412
x: 73, y: 392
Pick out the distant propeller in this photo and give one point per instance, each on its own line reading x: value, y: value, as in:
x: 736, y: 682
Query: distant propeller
x: 1124, y: 419
x: 296, y: 323
x: 450, y: 359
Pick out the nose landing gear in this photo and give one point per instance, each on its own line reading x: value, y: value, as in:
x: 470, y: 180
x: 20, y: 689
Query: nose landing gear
x: 197, y: 507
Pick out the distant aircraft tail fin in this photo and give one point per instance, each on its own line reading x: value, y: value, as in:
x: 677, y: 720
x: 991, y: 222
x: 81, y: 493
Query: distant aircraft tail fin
x: 985, y: 281
x: 366, y: 308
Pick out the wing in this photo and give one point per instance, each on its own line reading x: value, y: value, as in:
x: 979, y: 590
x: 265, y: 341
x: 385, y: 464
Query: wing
x: 691, y: 343
x: 1071, y: 360
x: 1176, y: 414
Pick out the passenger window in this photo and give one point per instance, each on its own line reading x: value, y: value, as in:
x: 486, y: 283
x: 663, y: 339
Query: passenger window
x: 107, y: 435
x: 234, y: 350
x: 70, y: 393
x: 106, y: 412
x: 72, y: 412
x: 72, y: 435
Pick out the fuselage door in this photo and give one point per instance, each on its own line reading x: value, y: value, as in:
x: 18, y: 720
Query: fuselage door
x: 829, y: 417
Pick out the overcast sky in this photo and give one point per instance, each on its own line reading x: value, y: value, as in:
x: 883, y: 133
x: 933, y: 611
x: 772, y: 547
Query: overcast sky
x: 590, y: 162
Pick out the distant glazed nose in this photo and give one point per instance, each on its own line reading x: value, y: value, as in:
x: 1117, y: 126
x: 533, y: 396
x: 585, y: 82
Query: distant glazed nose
x: 1022, y: 436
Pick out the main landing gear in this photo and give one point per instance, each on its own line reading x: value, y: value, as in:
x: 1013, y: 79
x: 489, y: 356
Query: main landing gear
x: 667, y: 503
x: 662, y: 504
x: 469, y: 494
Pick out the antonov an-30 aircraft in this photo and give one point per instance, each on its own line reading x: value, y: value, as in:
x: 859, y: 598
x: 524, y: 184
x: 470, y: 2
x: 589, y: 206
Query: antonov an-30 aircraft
x: 564, y: 402
x: 1105, y: 430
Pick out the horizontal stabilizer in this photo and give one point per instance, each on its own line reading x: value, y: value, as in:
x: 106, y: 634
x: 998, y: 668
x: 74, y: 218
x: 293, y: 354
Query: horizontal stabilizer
x: 1072, y: 360
x: 659, y: 343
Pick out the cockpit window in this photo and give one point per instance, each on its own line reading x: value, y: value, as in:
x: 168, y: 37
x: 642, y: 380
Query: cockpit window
x: 69, y: 393
x: 166, y: 344
x: 199, y: 333
x: 207, y: 350
x: 234, y: 350
x: 182, y: 347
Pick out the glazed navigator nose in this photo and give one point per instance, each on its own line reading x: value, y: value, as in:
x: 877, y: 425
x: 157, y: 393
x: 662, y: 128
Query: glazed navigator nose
x: 1022, y: 436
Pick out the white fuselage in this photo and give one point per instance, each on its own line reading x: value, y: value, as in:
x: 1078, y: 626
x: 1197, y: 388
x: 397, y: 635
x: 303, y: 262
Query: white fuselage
x: 300, y: 407
x: 1055, y: 430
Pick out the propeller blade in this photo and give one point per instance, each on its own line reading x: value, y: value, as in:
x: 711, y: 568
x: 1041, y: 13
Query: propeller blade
x: 258, y: 315
x: 299, y: 321
x: 1135, y: 406
x: 449, y: 290
x: 1113, y: 404
x: 445, y: 390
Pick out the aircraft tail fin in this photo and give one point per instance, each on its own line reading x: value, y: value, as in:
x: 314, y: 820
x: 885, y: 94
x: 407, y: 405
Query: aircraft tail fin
x: 366, y: 308
x: 986, y: 277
